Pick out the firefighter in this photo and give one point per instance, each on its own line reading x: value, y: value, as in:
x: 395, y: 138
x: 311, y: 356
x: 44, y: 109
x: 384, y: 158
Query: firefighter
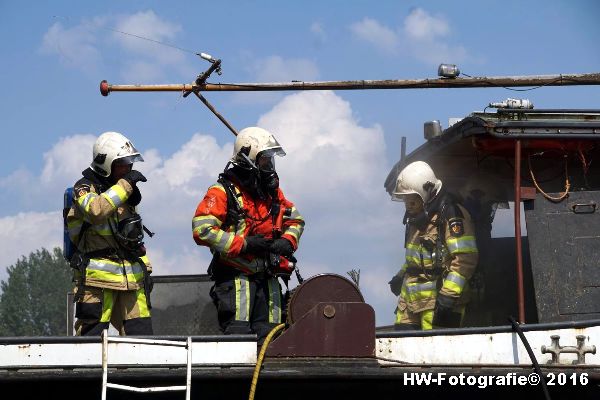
x: 441, y: 253
x: 110, y: 262
x: 252, y: 231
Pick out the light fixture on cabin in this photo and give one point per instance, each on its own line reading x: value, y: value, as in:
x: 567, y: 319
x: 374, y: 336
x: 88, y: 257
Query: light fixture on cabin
x: 448, y: 71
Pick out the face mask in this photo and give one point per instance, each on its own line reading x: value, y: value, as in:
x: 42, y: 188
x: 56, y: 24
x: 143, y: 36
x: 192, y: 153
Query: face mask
x: 130, y: 235
x: 269, y: 181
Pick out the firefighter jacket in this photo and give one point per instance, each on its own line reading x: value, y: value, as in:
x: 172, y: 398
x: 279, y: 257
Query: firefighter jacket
x: 226, y: 240
x: 100, y: 205
x: 449, y: 239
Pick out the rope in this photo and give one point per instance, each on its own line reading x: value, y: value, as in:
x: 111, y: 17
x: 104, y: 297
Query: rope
x: 546, y: 195
x: 261, y: 356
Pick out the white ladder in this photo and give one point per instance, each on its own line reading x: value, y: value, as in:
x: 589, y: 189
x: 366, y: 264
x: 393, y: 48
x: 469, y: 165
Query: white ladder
x: 105, y: 384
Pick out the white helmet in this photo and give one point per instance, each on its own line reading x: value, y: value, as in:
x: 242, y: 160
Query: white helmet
x: 417, y: 177
x: 252, y: 143
x: 112, y: 146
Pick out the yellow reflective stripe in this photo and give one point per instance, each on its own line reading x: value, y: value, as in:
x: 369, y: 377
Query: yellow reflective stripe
x: 134, y: 269
x: 116, y: 195
x: 454, y: 282
x: 104, y: 276
x: 274, y: 301
x: 415, y: 253
x: 85, y: 202
x: 137, y: 278
x: 417, y: 261
x: 294, y: 215
x: 203, y: 220
x: 217, y: 186
x: 111, y: 271
x: 222, y: 238
x: 295, y: 231
x: 419, y: 291
x: 206, y: 230
x: 427, y: 320
x: 228, y: 244
x: 398, y: 316
x: 142, y: 303
x: 464, y: 244
x: 107, y: 305
x: 242, y: 298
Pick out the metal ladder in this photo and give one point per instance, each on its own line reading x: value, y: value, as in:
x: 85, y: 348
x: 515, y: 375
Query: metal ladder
x: 105, y: 384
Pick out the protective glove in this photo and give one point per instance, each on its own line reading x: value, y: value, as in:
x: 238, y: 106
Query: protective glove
x: 282, y: 246
x: 396, y: 284
x: 444, y: 315
x: 134, y: 177
x: 256, y: 244
x: 136, y: 197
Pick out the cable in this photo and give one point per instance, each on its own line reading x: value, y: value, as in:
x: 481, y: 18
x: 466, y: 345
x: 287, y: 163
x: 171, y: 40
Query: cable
x: 137, y: 36
x: 261, y: 356
x: 536, y: 366
x: 559, y: 79
x: 546, y: 195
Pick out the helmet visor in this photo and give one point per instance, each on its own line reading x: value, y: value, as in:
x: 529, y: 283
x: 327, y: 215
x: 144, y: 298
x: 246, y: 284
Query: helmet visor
x: 265, y: 160
x: 398, y: 197
x: 126, y: 160
x: 266, y: 163
x: 271, y: 147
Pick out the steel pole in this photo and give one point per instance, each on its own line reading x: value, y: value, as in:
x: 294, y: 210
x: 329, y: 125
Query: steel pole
x: 519, y: 255
x: 475, y: 82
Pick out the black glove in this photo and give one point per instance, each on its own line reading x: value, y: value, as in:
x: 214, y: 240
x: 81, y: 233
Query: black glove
x: 282, y: 247
x: 396, y: 284
x: 134, y: 177
x: 444, y: 315
x: 257, y: 244
x: 135, y: 197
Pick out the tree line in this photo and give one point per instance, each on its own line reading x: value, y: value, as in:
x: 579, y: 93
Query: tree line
x: 33, y: 299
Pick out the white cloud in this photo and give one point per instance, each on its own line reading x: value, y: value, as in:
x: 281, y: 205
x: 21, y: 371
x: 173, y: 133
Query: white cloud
x: 76, y: 47
x: 151, y: 60
x: 26, y: 232
x: 276, y: 68
x: 81, y: 46
x: 423, y: 36
x: 145, y: 24
x: 376, y: 34
x: 324, y: 141
x: 64, y: 162
x: 422, y: 26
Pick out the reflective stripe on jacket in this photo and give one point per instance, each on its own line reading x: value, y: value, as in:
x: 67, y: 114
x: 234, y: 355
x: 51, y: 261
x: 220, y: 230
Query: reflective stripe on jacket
x: 459, y: 259
x: 211, y: 213
x: 103, y: 211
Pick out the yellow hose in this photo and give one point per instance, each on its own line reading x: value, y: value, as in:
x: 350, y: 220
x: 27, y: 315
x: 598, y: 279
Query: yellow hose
x: 261, y: 356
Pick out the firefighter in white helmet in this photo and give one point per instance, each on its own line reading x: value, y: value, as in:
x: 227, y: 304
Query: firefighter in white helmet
x: 252, y: 231
x: 110, y: 262
x: 441, y: 253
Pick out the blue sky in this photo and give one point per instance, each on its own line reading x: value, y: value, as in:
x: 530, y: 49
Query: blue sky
x: 340, y: 145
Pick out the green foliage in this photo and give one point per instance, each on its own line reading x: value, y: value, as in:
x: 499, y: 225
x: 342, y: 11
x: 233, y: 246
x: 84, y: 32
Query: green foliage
x: 33, y: 301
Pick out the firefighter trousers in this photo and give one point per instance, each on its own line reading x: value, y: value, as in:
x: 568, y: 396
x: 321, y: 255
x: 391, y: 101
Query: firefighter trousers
x: 248, y: 304
x: 127, y: 310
